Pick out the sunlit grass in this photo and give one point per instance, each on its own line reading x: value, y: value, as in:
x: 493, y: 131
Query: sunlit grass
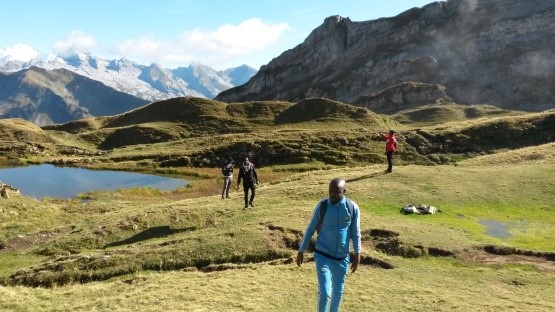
x: 145, y: 249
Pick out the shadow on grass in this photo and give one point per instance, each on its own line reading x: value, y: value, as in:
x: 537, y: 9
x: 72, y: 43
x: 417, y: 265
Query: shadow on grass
x: 155, y: 232
x: 368, y: 176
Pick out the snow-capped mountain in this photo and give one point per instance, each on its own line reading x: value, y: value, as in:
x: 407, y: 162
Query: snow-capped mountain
x: 150, y: 82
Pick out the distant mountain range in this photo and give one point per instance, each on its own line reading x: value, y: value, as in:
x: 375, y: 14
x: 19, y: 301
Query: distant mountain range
x: 151, y: 82
x: 498, y: 52
x: 48, y: 89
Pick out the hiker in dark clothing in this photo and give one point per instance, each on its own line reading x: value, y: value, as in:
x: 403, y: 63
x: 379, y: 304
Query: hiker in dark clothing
x: 248, y: 174
x: 227, y: 172
x: 390, y: 148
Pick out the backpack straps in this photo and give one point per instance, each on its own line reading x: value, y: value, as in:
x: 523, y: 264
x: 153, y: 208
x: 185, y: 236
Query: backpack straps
x: 324, y: 206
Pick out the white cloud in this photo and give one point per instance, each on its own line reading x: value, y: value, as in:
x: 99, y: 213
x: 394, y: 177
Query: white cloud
x: 211, y: 47
x: 77, y: 40
x: 19, y: 52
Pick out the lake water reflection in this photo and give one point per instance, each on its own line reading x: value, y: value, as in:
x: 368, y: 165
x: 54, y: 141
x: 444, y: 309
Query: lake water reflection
x: 66, y: 182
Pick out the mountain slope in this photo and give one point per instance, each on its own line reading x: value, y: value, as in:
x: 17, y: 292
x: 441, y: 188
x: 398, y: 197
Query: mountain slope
x: 483, y: 51
x: 57, y: 96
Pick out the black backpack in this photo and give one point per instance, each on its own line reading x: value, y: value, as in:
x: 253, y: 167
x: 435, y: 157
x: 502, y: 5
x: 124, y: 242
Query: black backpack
x: 227, y: 169
x: 324, y: 206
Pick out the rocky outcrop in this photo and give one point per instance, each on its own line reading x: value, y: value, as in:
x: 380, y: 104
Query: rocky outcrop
x: 483, y: 51
x: 403, y: 96
x: 6, y: 189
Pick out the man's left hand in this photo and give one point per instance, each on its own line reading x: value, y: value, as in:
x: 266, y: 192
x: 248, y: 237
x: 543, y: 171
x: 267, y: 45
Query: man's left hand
x: 354, y: 263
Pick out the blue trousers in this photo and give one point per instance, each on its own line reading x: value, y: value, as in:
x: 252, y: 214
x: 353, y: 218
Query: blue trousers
x: 331, y: 281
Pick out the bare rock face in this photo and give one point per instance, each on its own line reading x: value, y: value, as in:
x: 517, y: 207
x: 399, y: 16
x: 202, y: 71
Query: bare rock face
x: 497, y: 52
x: 403, y: 96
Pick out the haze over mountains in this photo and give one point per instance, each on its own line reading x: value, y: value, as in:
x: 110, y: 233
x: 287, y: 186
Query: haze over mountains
x: 498, y: 52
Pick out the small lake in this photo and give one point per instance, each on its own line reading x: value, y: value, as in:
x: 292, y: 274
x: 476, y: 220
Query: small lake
x: 67, y: 182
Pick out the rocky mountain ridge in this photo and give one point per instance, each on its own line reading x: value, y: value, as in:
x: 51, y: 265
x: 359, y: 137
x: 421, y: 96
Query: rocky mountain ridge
x: 496, y: 52
x: 149, y: 82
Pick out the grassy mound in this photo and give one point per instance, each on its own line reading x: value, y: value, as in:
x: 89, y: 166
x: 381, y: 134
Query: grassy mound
x: 263, y: 112
x: 544, y: 153
x: 141, y: 134
x: 19, y: 130
x: 320, y: 109
x: 78, y: 126
x: 486, y: 135
x: 446, y: 112
x: 179, y: 110
x: 22, y: 138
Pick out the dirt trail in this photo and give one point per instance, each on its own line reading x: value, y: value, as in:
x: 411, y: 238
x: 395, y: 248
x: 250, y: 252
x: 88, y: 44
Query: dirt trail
x: 23, y: 242
x: 482, y: 257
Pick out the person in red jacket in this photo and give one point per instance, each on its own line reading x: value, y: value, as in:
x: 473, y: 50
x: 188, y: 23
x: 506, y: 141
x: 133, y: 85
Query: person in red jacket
x: 390, y: 148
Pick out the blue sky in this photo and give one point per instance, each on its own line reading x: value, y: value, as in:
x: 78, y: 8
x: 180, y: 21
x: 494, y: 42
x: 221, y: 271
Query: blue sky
x: 218, y: 33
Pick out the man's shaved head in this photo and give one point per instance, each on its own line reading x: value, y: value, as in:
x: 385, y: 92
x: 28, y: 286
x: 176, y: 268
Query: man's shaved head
x: 337, y: 189
x: 337, y: 183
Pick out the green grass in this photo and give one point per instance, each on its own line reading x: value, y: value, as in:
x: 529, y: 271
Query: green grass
x: 134, y: 244
x: 417, y: 285
x: 148, y: 250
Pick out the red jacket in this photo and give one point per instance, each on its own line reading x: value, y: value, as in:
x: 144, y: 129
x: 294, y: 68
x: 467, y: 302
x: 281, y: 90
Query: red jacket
x: 391, y: 144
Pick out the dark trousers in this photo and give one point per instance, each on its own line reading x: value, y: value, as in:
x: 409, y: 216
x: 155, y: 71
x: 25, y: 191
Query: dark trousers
x: 246, y: 187
x: 389, y: 161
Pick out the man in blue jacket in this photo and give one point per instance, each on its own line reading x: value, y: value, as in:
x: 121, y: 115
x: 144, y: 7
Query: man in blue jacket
x: 337, y: 225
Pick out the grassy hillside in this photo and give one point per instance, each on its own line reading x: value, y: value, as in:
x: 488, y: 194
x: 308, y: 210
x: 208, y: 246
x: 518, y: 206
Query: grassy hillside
x: 487, y: 135
x: 22, y: 130
x: 87, y: 124
x: 435, y: 114
x: 20, y: 138
x: 200, y: 132
x: 189, y: 250
x: 144, y: 249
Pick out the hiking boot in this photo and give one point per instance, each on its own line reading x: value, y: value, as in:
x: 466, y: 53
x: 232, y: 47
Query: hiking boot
x: 246, y: 207
x: 251, y: 204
